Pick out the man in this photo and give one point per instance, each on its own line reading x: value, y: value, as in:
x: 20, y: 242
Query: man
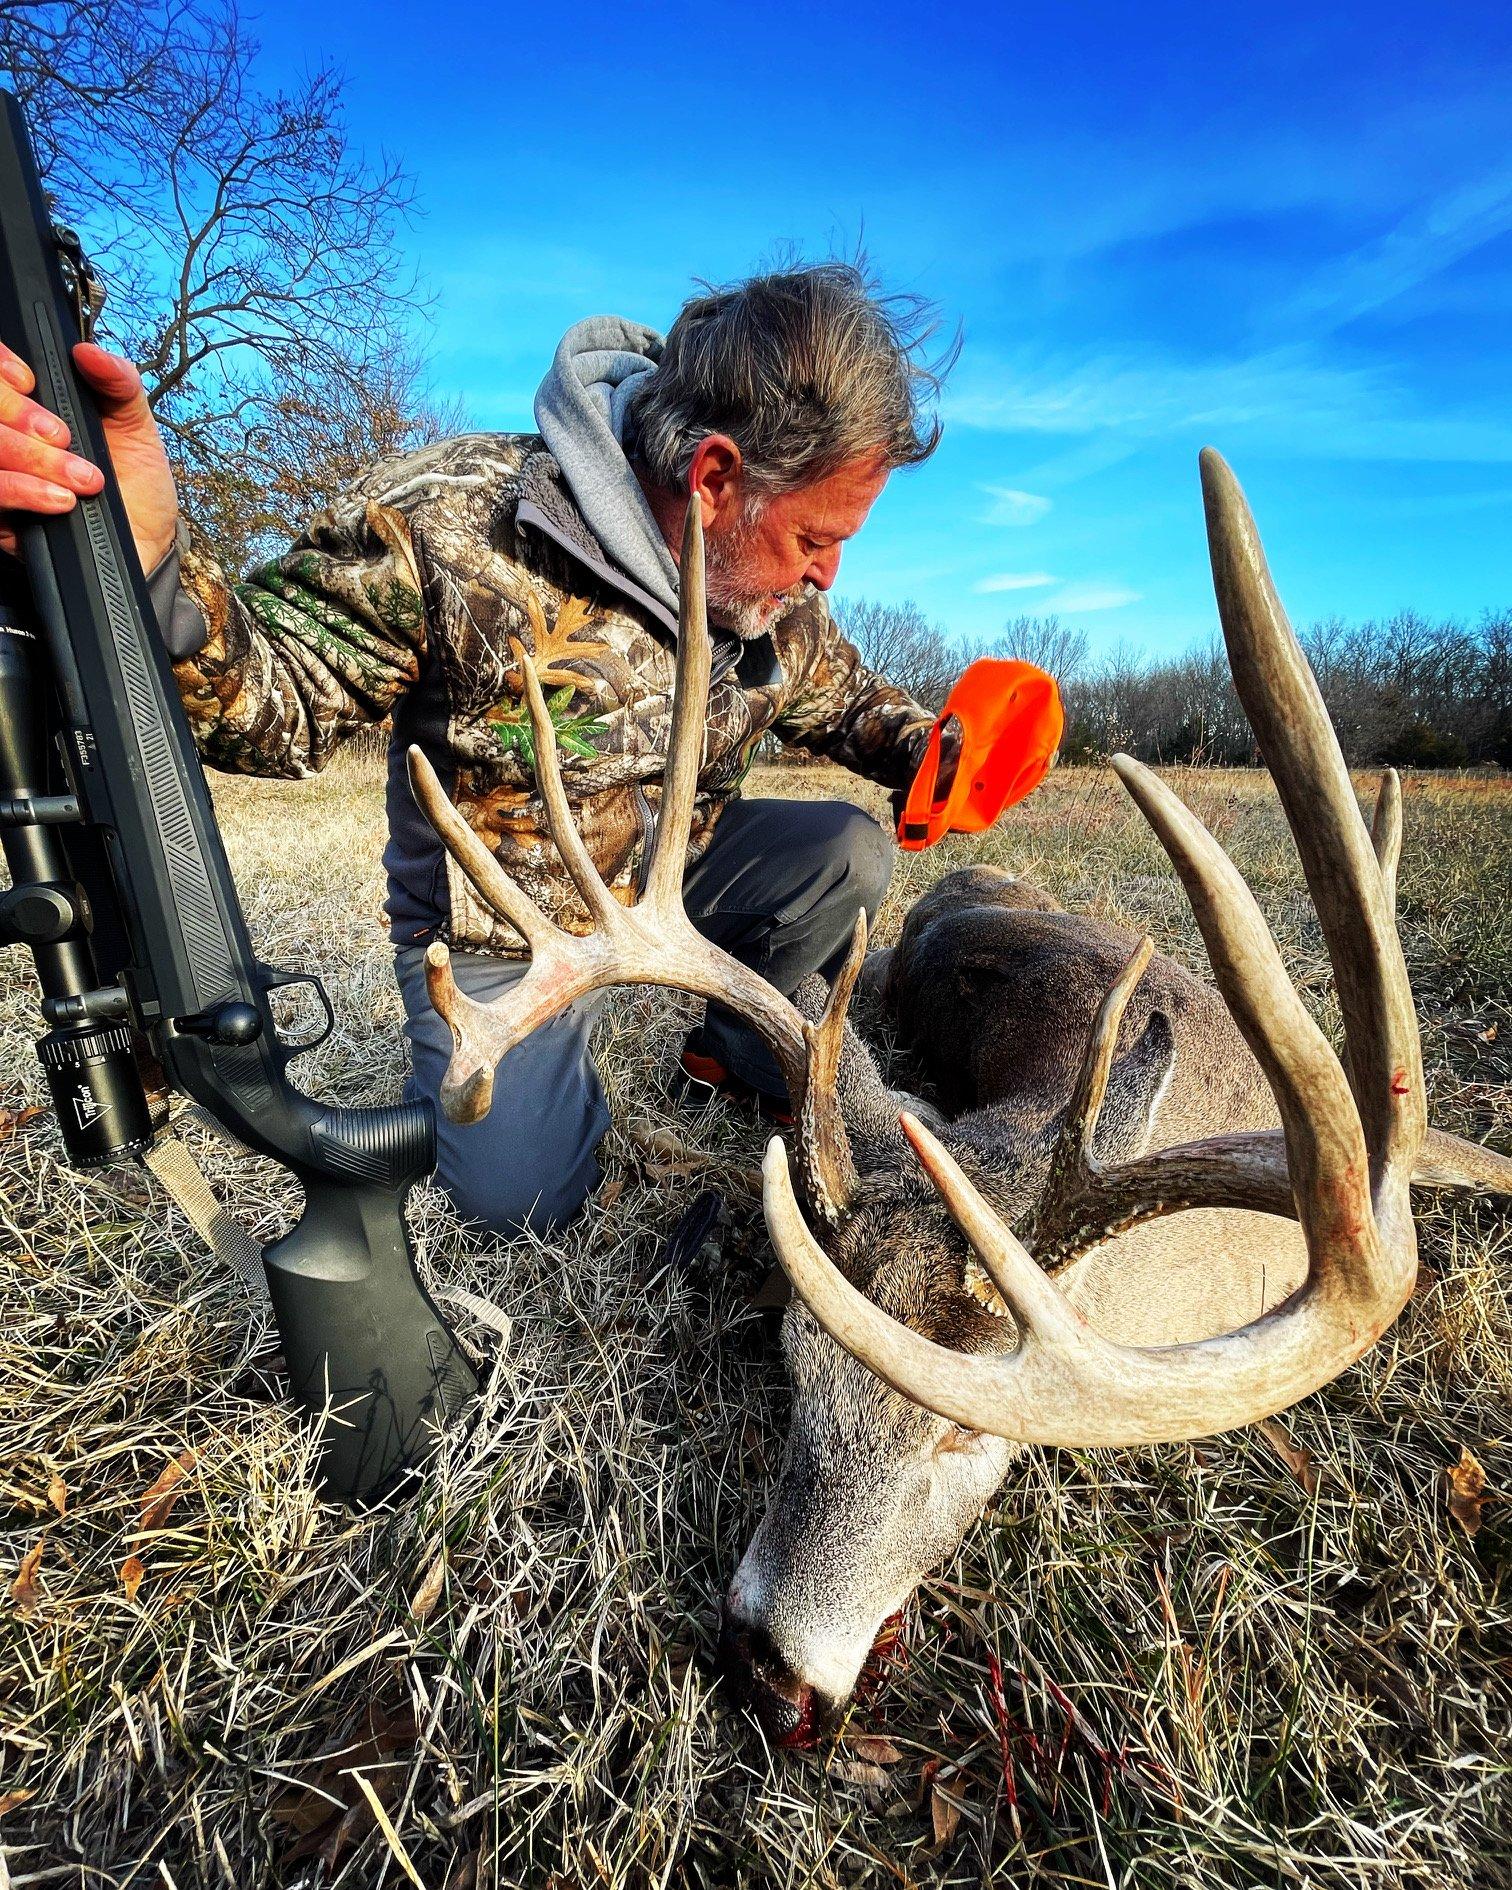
x: 782, y: 404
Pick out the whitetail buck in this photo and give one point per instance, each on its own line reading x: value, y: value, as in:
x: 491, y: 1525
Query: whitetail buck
x: 927, y: 1347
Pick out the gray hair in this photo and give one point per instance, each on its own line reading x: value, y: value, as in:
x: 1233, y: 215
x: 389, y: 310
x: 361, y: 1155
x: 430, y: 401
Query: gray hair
x: 804, y: 369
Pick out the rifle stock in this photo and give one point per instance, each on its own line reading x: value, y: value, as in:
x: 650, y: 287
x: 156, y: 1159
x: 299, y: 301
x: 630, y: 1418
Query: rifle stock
x: 124, y: 895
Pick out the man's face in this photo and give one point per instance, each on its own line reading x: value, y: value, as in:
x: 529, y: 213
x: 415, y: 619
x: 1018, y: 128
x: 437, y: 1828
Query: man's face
x: 774, y: 549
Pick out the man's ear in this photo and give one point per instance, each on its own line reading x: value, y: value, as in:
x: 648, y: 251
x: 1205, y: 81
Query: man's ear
x: 715, y: 478
x: 1137, y: 1085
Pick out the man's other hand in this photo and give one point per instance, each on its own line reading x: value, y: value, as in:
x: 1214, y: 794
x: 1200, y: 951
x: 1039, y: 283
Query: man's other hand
x: 39, y: 474
x: 945, y: 774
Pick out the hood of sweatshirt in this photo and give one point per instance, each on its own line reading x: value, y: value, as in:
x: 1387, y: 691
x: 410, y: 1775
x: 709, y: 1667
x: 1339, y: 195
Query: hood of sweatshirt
x: 581, y: 411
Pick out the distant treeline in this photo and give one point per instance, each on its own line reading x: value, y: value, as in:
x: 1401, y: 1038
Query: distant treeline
x: 1403, y: 690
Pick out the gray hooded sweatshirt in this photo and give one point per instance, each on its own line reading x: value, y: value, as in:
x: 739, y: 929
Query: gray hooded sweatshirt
x: 581, y: 411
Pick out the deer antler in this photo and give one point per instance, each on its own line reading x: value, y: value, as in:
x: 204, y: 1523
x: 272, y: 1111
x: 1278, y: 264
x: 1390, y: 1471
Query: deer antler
x: 652, y: 942
x: 1347, y: 1147
x: 1084, y: 1203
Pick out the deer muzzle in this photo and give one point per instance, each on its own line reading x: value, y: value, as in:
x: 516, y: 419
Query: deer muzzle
x: 791, y: 1712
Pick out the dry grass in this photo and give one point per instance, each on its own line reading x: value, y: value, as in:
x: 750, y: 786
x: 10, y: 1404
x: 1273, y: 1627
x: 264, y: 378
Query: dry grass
x: 1166, y: 1667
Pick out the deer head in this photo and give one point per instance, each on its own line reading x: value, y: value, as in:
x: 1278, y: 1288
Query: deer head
x: 927, y: 1346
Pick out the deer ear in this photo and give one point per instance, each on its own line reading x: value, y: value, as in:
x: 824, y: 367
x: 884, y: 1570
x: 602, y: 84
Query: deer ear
x: 1137, y: 1084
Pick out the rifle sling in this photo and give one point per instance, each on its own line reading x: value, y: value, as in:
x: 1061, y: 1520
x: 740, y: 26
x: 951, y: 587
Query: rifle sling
x: 180, y: 1174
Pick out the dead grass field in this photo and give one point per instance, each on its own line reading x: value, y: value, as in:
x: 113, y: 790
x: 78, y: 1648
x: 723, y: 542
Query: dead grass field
x: 1191, y: 1666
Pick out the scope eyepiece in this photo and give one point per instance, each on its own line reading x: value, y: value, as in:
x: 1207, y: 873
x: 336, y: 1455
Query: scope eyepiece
x: 97, y: 1093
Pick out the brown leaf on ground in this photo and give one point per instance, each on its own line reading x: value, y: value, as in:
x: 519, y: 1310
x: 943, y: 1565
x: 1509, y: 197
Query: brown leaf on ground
x: 944, y: 1816
x: 1297, y: 1457
x: 10, y: 1800
x: 14, y: 1120
x: 873, y: 1749
x: 159, y: 1497
x: 133, y: 1569
x: 1468, y: 1494
x: 873, y: 1779
x: 425, y: 1597
x: 24, y: 1591
x: 330, y: 1814
x: 57, y: 1493
x: 944, y: 1799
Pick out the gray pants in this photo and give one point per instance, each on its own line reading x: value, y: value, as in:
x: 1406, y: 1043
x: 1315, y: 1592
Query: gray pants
x: 779, y: 889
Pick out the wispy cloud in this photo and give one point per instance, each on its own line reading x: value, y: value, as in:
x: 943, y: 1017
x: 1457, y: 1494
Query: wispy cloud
x: 1290, y: 397
x: 1429, y: 239
x: 1290, y: 387
x: 1013, y: 581
x: 1088, y: 597
x: 1047, y: 395
x: 1012, y: 506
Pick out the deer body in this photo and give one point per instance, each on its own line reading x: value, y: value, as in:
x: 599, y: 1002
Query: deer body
x: 995, y: 989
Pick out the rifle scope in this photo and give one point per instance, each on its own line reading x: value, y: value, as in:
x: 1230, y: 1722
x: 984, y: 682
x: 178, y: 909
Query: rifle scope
x: 90, y: 1059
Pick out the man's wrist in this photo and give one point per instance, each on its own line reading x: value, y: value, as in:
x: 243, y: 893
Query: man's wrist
x: 152, y: 551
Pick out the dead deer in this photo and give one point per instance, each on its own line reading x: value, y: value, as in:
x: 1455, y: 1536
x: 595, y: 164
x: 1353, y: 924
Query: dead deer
x: 995, y: 989
x: 926, y: 1347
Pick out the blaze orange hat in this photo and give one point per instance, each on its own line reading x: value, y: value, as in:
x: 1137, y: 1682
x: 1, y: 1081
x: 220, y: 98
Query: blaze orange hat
x: 1011, y: 721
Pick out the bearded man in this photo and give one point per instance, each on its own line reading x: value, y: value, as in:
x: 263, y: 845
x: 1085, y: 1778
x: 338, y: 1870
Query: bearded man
x: 781, y: 405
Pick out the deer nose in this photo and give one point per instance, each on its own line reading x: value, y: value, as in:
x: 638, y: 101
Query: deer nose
x: 791, y: 1712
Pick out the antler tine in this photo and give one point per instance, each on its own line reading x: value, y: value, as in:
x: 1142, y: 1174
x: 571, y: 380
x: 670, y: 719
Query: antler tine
x: 827, y: 1038
x: 467, y: 1088
x: 674, y: 819
x: 568, y: 842
x: 823, y: 1144
x: 1318, y: 1115
x: 1386, y: 834
x: 1286, y: 711
x: 1072, y: 1167
x: 488, y: 879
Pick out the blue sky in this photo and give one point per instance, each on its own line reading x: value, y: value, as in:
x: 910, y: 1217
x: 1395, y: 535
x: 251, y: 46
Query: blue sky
x: 1284, y: 232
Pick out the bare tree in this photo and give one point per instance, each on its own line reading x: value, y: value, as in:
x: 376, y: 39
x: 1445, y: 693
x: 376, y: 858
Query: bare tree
x: 900, y: 642
x: 1405, y: 690
x: 1059, y: 648
x: 250, y: 252
x: 249, y: 489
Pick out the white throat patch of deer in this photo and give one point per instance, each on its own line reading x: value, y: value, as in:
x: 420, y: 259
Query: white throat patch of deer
x: 915, y: 1381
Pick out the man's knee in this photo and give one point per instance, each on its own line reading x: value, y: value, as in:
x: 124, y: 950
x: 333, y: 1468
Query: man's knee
x: 864, y: 853
x: 509, y: 1196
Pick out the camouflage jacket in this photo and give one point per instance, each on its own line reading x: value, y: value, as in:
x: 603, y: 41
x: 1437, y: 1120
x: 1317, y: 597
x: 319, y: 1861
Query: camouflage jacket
x: 403, y: 598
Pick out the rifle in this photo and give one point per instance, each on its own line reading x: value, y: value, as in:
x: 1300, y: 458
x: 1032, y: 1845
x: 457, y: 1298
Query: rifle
x: 122, y: 892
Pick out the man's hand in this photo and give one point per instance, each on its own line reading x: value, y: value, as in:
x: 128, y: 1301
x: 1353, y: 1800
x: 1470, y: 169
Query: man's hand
x: 39, y: 474
x: 950, y: 758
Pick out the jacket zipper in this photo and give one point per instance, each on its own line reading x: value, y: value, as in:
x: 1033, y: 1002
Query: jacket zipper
x: 647, y: 828
x: 726, y: 659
